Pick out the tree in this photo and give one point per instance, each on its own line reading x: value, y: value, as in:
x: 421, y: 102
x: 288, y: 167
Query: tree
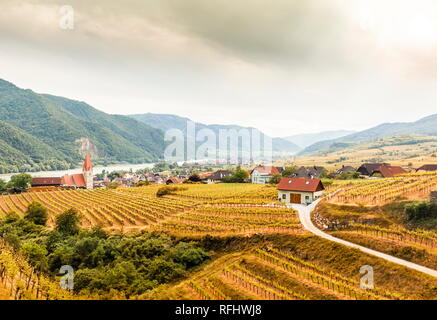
x: 3, y: 185
x: 37, y: 213
x: 239, y: 176
x: 275, y: 179
x: 194, y: 178
x: 36, y: 254
x: 21, y: 181
x: 288, y: 171
x: 68, y: 223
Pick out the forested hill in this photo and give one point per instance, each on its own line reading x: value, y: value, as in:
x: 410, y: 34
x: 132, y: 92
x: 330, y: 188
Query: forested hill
x: 281, y: 147
x: 44, y: 132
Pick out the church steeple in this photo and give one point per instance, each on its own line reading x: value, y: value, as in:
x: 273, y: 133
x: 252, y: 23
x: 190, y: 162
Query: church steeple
x: 88, y: 172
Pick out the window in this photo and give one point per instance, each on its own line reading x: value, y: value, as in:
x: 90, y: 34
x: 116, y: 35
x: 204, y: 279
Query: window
x: 307, y: 197
x: 284, y: 196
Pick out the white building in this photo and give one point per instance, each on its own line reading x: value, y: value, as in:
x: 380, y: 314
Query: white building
x: 300, y: 190
x: 263, y: 174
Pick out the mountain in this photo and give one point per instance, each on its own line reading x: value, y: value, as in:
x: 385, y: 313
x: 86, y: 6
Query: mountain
x: 305, y: 140
x: 281, y: 147
x: 46, y: 132
x: 426, y: 126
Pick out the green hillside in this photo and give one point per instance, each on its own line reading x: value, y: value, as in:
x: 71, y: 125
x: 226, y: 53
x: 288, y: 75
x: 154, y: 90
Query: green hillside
x: 51, y: 132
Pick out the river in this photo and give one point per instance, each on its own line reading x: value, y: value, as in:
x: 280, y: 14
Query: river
x: 96, y: 170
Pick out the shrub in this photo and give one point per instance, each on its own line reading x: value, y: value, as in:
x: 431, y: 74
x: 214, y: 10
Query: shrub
x: 421, y: 210
x: 37, y: 213
x: 68, y: 222
x: 168, y: 190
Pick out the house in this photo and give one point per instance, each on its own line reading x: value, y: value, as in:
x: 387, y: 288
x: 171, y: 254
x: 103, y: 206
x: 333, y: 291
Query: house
x: 427, y: 168
x: 346, y: 169
x: 84, y: 180
x: 309, y: 172
x: 388, y: 171
x: 204, y: 176
x: 300, y: 190
x: 262, y: 174
x: 174, y: 180
x: 218, y: 176
x: 367, y: 169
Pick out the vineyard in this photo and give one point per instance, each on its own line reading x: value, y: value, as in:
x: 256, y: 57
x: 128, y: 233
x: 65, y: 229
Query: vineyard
x: 108, y: 208
x: 380, y: 191
x: 276, y: 273
x: 194, y: 210
x: 231, y: 220
x: 22, y: 282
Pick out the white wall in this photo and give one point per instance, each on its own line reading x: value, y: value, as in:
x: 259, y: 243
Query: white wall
x: 259, y: 179
x: 312, y: 196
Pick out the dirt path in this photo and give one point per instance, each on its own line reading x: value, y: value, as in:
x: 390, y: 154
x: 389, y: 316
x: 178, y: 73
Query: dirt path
x: 305, y: 218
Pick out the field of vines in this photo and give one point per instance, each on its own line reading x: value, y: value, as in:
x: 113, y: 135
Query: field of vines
x: 109, y: 208
x: 229, y: 193
x: 381, y: 191
x: 228, y: 220
x: 195, y: 209
x: 275, y: 274
x: 22, y: 282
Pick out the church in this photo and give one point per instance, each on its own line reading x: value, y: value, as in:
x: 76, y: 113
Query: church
x: 82, y: 180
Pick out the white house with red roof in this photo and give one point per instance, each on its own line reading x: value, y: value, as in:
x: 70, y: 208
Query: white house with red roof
x: 300, y: 190
x: 262, y: 174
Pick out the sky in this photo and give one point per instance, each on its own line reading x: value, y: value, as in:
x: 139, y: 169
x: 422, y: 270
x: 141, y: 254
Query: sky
x: 283, y: 66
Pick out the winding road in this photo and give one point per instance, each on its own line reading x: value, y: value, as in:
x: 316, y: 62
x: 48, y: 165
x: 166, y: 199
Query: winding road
x: 305, y: 218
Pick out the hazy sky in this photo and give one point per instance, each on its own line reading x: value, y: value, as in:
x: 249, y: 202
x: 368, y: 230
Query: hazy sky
x: 283, y: 66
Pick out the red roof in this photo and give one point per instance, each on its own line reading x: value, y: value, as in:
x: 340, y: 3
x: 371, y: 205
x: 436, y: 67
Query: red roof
x: 266, y: 170
x: 389, y: 171
x: 87, y: 164
x: 300, y: 184
x: 174, y: 180
x: 46, y: 181
x: 76, y: 180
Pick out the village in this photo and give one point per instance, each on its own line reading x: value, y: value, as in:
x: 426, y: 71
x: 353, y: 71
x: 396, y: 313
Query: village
x: 298, y: 185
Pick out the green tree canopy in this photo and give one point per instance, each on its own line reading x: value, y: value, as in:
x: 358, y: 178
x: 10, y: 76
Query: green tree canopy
x: 3, y: 185
x: 68, y: 223
x: 275, y: 179
x: 21, y: 181
x: 288, y: 171
x: 37, y: 213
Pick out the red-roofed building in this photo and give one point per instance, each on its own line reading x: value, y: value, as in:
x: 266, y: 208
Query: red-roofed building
x: 262, y: 174
x: 388, y: 171
x: 80, y: 180
x: 300, y: 190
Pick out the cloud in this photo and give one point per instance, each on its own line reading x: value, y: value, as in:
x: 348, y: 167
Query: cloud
x: 265, y: 64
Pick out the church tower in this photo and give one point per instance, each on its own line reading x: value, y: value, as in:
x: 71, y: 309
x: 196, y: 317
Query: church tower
x: 88, y: 172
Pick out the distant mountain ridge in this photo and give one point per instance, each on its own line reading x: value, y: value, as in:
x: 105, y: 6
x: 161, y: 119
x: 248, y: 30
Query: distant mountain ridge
x: 424, y: 126
x: 168, y: 121
x: 45, y: 132
x: 307, y: 139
